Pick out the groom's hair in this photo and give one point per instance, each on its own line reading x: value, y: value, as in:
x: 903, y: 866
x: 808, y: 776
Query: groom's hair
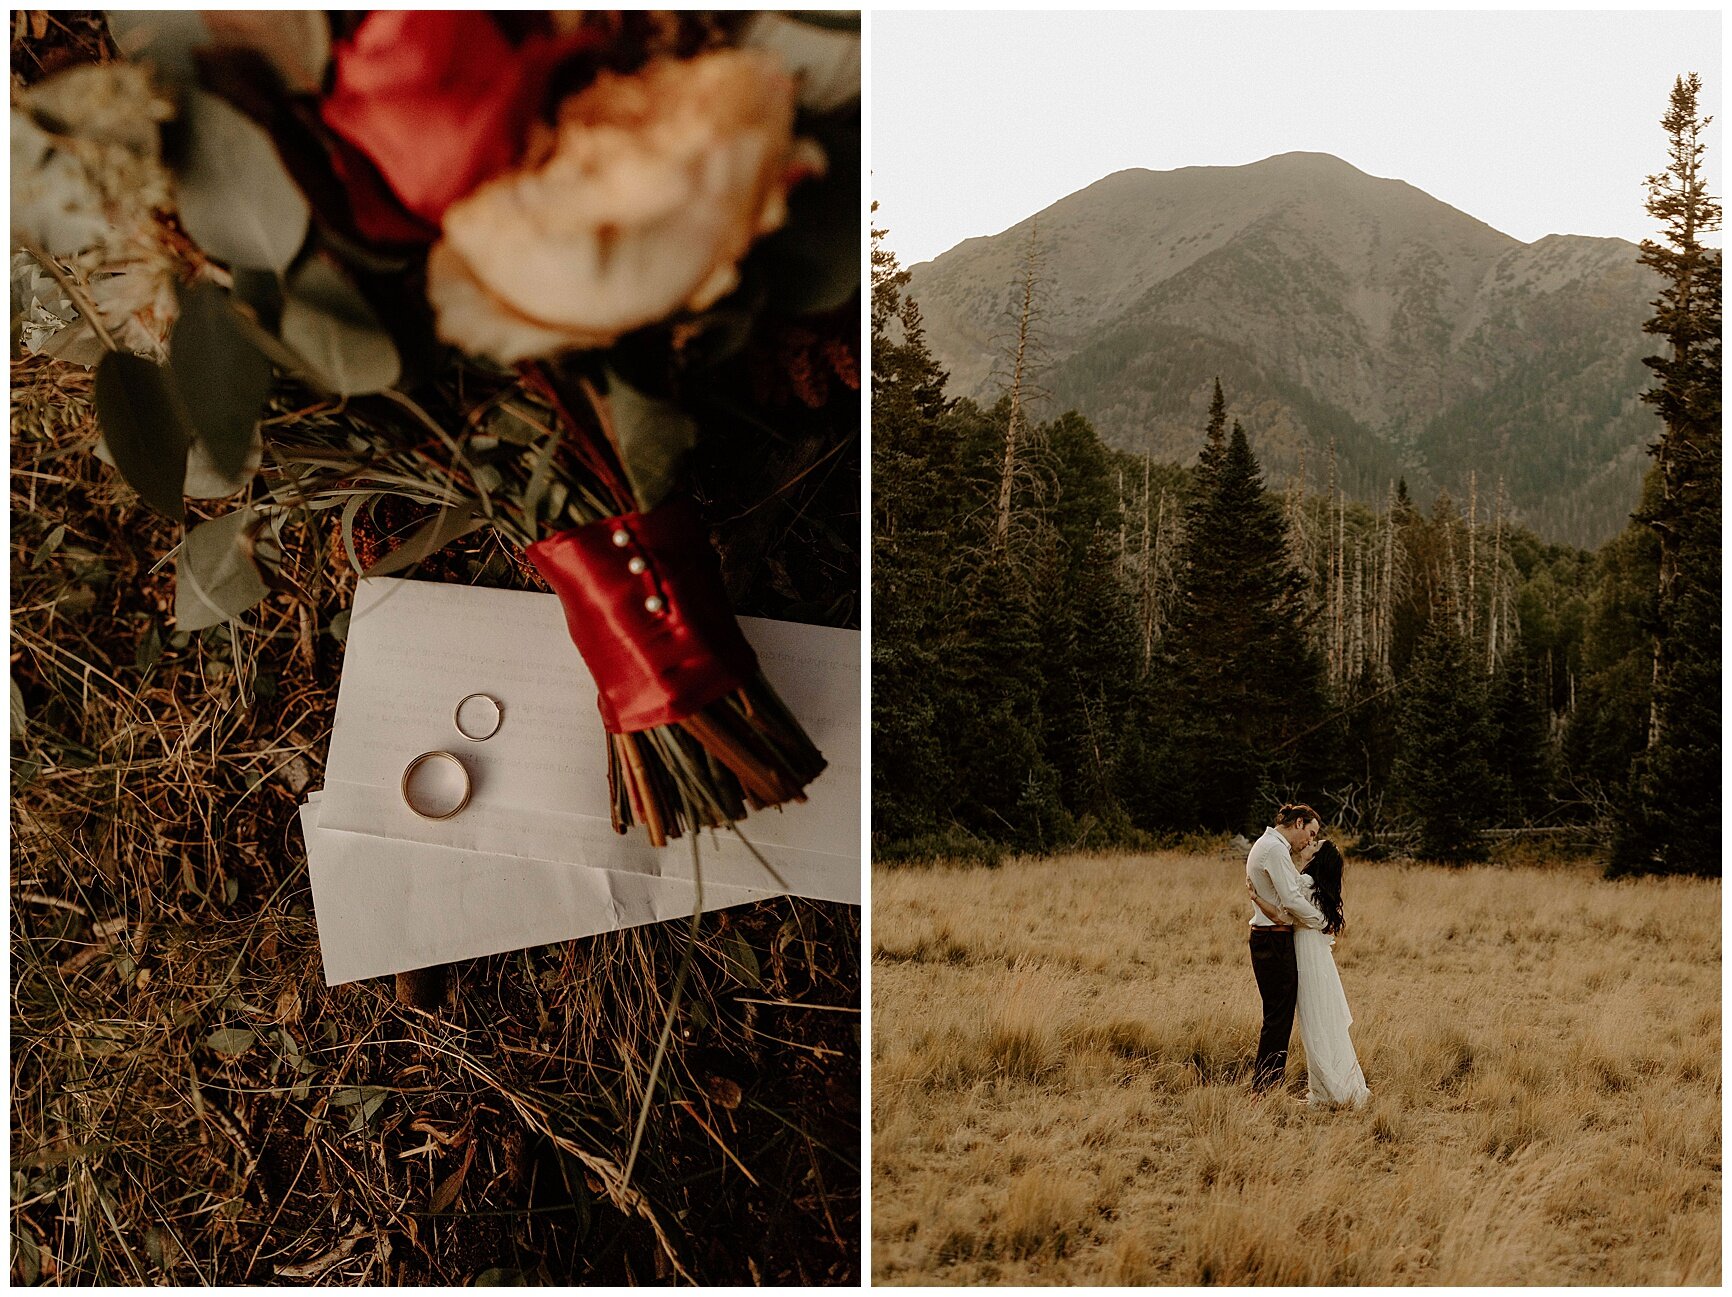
x: 1296, y: 813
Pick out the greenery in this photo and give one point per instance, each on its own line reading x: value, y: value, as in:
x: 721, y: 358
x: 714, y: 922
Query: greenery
x: 1673, y: 824
x: 1158, y: 650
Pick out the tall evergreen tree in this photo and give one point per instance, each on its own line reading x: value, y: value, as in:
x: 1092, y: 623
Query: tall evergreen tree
x: 1243, y: 682
x: 1214, y: 451
x: 1520, y: 753
x: 1442, y: 778
x: 1607, y: 727
x: 913, y: 515
x: 1673, y: 822
x: 1090, y: 652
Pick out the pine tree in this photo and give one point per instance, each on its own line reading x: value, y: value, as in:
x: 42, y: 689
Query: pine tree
x: 1442, y: 778
x: 1520, y: 753
x: 1090, y: 657
x: 1673, y: 824
x: 1243, y: 681
x: 1214, y: 450
x: 1608, y: 721
x: 914, y: 507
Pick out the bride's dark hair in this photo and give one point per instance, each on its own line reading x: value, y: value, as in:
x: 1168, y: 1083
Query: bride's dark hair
x: 1325, y: 871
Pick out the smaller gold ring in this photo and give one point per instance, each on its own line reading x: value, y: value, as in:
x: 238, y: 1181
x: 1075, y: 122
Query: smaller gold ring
x: 409, y: 773
x: 498, y: 717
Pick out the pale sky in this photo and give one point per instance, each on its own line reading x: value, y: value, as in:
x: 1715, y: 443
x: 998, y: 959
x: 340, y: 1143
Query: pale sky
x: 1536, y: 123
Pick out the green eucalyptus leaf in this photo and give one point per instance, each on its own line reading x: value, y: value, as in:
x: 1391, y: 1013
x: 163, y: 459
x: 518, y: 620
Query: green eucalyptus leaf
x: 145, y: 428
x: 19, y: 718
x: 434, y: 535
x: 27, y: 1257
x: 231, y: 1042
x: 50, y: 543
x: 296, y: 42
x: 149, y: 651
x: 327, y: 321
x: 217, y: 574
x: 823, y: 55
x: 721, y: 334
x: 741, y: 960
x: 814, y: 260
x: 205, y: 481
x: 235, y: 196
x: 165, y: 38
x: 223, y: 378
x: 540, y: 475
x: 654, y: 437
x: 262, y: 291
x: 835, y: 20
x: 507, y: 423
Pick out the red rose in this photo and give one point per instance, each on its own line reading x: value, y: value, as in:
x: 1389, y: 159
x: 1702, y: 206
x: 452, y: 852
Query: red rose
x: 439, y: 101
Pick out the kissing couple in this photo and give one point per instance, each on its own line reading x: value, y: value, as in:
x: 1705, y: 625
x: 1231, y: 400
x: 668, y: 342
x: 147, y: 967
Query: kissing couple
x: 1294, y: 876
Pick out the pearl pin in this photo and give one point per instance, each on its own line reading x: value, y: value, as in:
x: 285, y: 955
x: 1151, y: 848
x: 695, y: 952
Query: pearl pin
x: 621, y: 537
x: 653, y: 603
x: 637, y: 565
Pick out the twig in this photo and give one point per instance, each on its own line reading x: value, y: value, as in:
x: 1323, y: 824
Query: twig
x: 76, y: 292
x: 692, y: 1112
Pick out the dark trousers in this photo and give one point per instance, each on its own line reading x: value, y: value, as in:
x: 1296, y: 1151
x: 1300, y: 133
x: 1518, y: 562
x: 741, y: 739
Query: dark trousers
x: 1277, y: 972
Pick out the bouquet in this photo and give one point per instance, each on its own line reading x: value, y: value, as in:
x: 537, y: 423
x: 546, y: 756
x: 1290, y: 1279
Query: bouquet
x: 427, y: 273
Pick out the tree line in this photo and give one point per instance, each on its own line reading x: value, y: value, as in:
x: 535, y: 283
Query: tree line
x: 1077, y: 647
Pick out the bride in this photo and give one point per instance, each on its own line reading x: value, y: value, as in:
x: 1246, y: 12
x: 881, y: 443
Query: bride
x: 1333, y: 1074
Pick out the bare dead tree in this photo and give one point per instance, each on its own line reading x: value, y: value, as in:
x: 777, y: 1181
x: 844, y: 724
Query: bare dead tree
x: 1498, y: 625
x: 1356, y: 649
x: 1026, y: 313
x: 1472, y: 557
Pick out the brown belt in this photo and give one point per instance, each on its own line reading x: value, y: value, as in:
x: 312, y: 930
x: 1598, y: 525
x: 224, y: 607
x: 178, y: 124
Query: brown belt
x: 1271, y: 927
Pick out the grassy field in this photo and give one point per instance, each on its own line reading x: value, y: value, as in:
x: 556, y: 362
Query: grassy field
x: 1060, y: 1095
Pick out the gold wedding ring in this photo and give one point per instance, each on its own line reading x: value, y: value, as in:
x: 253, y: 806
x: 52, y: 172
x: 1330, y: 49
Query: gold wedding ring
x: 416, y: 764
x: 498, y: 718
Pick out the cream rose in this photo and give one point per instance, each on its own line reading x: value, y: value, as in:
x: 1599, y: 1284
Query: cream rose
x: 649, y: 191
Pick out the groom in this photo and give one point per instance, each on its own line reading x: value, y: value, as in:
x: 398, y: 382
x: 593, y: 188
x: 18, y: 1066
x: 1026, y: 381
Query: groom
x: 1272, y: 875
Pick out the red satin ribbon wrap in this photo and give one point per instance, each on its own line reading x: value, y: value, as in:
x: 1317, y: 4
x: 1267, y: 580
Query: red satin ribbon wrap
x: 653, y: 668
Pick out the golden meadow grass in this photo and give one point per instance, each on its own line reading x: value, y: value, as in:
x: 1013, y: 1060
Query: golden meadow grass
x: 1059, y: 1080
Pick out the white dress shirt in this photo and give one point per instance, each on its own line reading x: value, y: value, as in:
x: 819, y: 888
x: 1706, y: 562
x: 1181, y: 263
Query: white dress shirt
x: 1275, y: 878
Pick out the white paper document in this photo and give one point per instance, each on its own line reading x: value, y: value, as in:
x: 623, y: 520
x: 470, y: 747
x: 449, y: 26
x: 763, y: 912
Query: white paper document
x: 386, y: 906
x: 534, y: 858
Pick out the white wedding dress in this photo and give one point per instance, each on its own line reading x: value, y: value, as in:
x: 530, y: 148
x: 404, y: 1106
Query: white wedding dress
x: 1333, y: 1072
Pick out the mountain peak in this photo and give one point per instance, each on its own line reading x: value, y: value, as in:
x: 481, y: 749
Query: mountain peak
x: 1308, y: 160
x: 1339, y: 308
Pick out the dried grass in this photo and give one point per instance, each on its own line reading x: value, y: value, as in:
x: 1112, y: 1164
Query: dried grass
x: 190, y: 1103
x: 1060, y: 1090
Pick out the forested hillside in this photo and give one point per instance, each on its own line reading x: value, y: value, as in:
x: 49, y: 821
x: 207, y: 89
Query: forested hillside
x: 1123, y: 648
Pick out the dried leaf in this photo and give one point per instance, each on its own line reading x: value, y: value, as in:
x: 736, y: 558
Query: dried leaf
x: 724, y: 1093
x: 452, y: 1185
